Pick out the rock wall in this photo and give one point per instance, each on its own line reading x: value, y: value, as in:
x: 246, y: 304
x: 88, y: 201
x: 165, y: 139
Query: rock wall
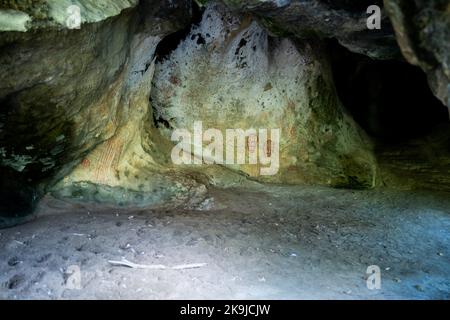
x: 52, y: 116
x: 87, y: 113
x: 64, y: 92
x: 229, y: 73
x: 423, y: 32
x: 343, y: 20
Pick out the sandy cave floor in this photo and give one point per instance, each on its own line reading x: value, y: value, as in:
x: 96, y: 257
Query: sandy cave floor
x: 268, y: 243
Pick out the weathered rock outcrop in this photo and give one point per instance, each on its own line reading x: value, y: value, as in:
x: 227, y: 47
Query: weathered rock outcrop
x: 229, y: 73
x: 421, y: 29
x: 63, y: 92
x: 341, y: 19
x: 87, y: 113
x: 423, y: 32
x: 25, y: 15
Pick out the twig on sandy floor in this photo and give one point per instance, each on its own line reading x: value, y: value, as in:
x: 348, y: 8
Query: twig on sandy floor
x: 126, y: 263
x: 188, y: 266
x: 78, y: 234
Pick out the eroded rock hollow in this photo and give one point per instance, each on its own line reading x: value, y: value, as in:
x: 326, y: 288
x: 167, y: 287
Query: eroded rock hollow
x: 88, y: 112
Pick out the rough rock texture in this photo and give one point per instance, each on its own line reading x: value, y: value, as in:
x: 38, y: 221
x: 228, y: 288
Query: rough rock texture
x: 344, y: 20
x: 422, y: 163
x: 130, y: 169
x: 52, y: 116
x: 23, y: 15
x: 87, y: 113
x: 63, y: 92
x: 423, y: 32
x: 230, y: 74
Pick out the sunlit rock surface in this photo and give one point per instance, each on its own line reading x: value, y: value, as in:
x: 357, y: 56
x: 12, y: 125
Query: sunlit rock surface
x: 23, y: 15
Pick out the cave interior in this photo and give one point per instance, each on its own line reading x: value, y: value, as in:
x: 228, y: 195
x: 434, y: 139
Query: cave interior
x: 97, y: 202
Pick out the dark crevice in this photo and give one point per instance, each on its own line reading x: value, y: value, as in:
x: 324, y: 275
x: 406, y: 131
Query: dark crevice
x: 241, y: 44
x: 391, y: 100
x: 172, y: 41
x: 169, y: 44
x: 160, y: 122
x: 200, y: 39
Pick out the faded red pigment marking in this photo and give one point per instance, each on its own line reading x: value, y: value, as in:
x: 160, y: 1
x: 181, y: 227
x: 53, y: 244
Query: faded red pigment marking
x: 108, y: 160
x: 252, y: 143
x: 269, y: 148
x: 174, y: 80
x: 86, y: 163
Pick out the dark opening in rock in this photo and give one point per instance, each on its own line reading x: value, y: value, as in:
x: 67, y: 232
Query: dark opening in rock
x: 171, y: 42
x: 391, y: 99
x: 18, y: 197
